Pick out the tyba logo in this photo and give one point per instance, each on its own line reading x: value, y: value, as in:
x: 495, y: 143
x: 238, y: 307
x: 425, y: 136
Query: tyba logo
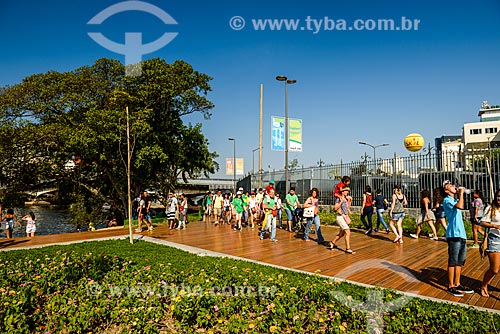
x: 133, y: 49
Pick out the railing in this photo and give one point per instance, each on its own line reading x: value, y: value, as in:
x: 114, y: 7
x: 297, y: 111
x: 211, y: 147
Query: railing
x: 413, y: 173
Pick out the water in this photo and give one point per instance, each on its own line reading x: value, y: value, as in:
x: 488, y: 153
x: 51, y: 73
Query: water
x: 48, y: 221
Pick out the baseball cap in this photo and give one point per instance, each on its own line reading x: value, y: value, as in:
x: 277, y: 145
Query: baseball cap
x: 240, y: 189
x: 345, y: 188
x: 271, y: 181
x: 446, y: 182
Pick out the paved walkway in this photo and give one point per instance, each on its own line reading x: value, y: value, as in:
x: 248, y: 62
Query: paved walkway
x: 416, y: 266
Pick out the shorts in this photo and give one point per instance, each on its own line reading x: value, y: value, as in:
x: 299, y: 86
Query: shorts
x: 440, y: 212
x: 457, y: 251
x: 398, y: 216
x: 493, y: 243
x: 217, y: 211
x: 289, y: 214
x: 171, y: 215
x: 422, y: 218
x: 31, y: 228
x: 227, y: 208
x: 342, y: 223
x: 476, y: 221
x: 9, y: 224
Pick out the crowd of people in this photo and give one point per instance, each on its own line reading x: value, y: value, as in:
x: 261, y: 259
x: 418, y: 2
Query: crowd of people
x: 263, y: 208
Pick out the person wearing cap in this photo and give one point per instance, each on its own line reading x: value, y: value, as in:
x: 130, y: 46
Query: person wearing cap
x: 270, y: 186
x: 252, y: 209
x: 455, y: 237
x: 207, y: 203
x: 342, y: 207
x: 238, y: 205
x: 397, y: 213
x: 269, y: 206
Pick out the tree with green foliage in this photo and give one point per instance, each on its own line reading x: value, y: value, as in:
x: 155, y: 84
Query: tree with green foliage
x: 69, y: 130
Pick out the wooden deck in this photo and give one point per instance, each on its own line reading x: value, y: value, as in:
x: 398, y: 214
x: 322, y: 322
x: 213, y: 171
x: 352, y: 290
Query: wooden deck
x: 416, y: 266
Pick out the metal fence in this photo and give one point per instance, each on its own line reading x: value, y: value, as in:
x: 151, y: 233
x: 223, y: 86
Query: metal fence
x: 473, y: 170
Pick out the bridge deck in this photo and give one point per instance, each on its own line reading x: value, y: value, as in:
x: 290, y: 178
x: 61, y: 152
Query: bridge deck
x: 417, y: 266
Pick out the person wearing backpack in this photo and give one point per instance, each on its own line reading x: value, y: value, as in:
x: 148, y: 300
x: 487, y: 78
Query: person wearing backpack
x: 367, y: 210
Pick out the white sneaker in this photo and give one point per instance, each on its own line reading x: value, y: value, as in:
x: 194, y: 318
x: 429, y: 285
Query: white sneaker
x: 414, y: 236
x: 431, y: 235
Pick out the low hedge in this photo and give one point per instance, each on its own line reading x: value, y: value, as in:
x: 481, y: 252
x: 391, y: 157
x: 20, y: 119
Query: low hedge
x: 116, y: 287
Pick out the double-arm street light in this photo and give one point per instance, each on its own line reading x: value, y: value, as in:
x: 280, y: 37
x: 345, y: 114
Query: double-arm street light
x: 287, y: 82
x: 374, y: 153
x: 234, y: 164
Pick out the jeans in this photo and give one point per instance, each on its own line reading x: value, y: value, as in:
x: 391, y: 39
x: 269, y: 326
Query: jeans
x: 316, y: 221
x: 279, y: 218
x: 380, y: 218
x: 270, y: 224
x: 457, y: 251
x: 367, y: 212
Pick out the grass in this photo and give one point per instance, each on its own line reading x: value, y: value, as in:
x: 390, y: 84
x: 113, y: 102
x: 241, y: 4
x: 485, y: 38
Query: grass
x: 116, y: 287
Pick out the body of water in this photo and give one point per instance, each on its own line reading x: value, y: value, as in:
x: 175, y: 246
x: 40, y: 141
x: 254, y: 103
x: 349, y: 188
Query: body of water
x: 48, y: 221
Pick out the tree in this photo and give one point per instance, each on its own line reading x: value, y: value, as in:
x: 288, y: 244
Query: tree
x: 69, y: 129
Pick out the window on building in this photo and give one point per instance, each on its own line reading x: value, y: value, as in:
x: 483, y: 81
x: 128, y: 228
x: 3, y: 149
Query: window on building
x: 491, y: 130
x: 475, y: 131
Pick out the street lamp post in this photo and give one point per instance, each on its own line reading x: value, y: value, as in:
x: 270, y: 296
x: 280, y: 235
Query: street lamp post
x: 234, y: 164
x: 287, y: 82
x: 374, y: 153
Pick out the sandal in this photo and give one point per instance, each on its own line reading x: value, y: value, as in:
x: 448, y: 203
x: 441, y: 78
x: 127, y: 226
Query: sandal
x: 350, y: 251
x: 331, y: 246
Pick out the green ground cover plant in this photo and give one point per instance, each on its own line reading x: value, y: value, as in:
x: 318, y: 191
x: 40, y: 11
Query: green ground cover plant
x: 116, y: 287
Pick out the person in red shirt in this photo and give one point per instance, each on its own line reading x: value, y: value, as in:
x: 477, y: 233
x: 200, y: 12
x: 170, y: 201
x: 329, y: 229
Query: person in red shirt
x: 346, y: 181
x: 270, y: 186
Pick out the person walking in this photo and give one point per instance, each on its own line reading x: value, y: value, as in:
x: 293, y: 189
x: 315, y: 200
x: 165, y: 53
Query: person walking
x: 367, y: 210
x: 491, y: 220
x: 380, y: 205
x: 238, y: 205
x: 455, y: 237
x: 279, y: 205
x: 398, y: 213
x: 269, y: 206
x: 207, y: 207
x: 183, y: 206
x: 218, y: 202
x: 342, y: 207
x: 10, y: 218
x: 227, y: 209
x: 476, y: 213
x: 291, y: 203
x: 30, y: 224
x: 438, y: 196
x: 172, y: 207
x: 426, y: 215
x: 313, y: 201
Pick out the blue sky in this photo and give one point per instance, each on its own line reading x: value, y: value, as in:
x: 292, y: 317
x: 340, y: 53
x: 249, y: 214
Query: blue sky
x: 372, y: 86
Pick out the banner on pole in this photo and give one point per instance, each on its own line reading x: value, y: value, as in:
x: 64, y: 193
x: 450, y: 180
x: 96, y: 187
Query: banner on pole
x: 278, y: 134
x: 239, y: 166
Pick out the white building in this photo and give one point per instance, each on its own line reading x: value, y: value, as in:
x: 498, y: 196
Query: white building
x: 485, y: 133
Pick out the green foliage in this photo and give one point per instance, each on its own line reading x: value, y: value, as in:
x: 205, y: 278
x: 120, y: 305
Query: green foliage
x: 116, y: 287
x: 69, y: 130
